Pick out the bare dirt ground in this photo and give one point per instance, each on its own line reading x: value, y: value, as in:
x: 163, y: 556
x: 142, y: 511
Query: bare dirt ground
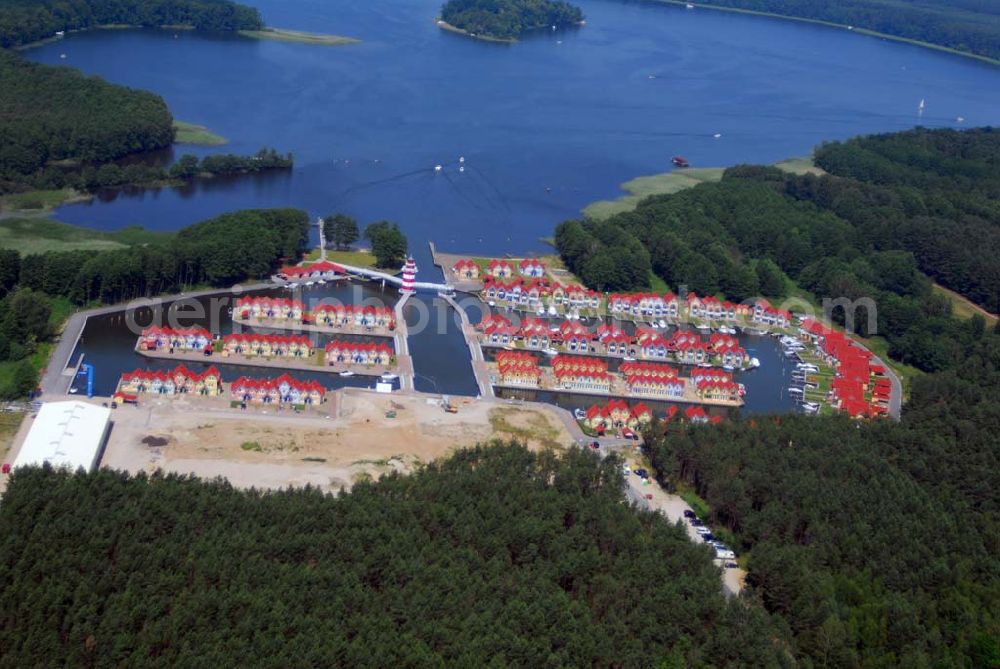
x: 351, y: 439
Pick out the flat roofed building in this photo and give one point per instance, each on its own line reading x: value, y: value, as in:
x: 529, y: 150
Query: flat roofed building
x: 66, y: 435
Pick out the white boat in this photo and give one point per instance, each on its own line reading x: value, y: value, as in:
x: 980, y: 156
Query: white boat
x: 662, y: 323
x: 579, y: 414
x: 73, y: 391
x: 437, y: 168
x: 552, y: 310
x: 704, y: 364
x: 920, y: 107
x: 309, y: 283
x: 754, y: 362
x: 389, y: 376
x: 729, y: 368
x: 793, y: 389
x: 550, y: 351
x: 689, y: 5
x: 321, y: 281
x: 540, y: 311
x: 347, y: 373
x: 717, y: 135
x: 491, y: 303
x: 628, y: 358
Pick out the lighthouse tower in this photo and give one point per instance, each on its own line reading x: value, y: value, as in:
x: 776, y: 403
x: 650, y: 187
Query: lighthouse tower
x: 409, y: 276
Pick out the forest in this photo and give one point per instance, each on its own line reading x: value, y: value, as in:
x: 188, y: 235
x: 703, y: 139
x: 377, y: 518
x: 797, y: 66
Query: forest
x: 52, y: 119
x: 61, y: 129
x: 764, y: 231
x: 496, y: 556
x: 877, y: 543
x: 26, y: 21
x: 972, y: 26
x: 221, y: 251
x: 509, y: 19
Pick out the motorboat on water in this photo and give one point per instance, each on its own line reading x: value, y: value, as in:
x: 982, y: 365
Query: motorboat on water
x: 754, y: 362
x: 389, y: 376
x: 628, y: 358
x: 552, y: 310
x: 729, y: 368
x: 550, y: 351
x: 347, y: 373
x: 662, y: 323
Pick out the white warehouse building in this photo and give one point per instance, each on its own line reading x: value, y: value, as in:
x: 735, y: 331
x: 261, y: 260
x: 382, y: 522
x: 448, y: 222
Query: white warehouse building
x: 67, y: 435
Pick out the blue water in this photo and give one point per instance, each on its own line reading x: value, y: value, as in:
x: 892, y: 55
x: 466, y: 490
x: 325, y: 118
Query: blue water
x: 546, y: 126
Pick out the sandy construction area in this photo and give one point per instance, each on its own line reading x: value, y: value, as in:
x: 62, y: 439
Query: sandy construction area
x: 351, y: 437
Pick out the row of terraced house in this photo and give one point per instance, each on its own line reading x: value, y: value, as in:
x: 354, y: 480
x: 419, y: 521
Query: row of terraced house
x: 177, y: 381
x: 282, y: 390
x: 607, y: 339
x: 534, y: 292
x: 497, y: 268
x: 333, y: 315
x: 861, y: 387
x: 358, y: 353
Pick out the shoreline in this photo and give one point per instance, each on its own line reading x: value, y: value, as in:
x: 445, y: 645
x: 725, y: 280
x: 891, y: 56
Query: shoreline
x: 444, y: 25
x: 297, y: 36
x: 667, y: 183
x: 265, y: 33
x: 843, y: 26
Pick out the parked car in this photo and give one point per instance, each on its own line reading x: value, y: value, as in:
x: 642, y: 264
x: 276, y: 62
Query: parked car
x: 595, y: 445
x: 688, y: 513
x: 732, y: 565
x: 626, y: 469
x: 724, y: 554
x: 702, y: 530
x: 642, y: 473
x: 696, y: 523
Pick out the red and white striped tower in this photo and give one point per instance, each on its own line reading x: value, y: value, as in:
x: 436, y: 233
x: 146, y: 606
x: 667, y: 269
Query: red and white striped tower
x: 409, y: 276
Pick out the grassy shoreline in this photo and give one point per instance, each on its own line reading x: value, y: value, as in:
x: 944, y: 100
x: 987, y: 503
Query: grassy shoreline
x: 667, y: 183
x: 267, y: 33
x: 192, y: 133
x: 444, y: 25
x: 298, y: 36
x: 842, y: 26
x: 39, y: 235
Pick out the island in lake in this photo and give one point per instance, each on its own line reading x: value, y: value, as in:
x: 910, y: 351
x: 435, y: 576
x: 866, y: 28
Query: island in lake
x: 506, y: 20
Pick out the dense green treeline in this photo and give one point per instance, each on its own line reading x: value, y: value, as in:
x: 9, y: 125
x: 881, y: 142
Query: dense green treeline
x: 935, y: 193
x: 60, y: 129
x: 52, y: 114
x: 25, y: 21
x: 221, y: 251
x: 496, y: 556
x: 508, y: 19
x: 835, y: 236
x: 965, y: 25
x: 878, y: 543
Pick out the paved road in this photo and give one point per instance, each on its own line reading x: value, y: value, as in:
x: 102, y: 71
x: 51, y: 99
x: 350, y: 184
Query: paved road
x: 53, y: 380
x: 896, y: 398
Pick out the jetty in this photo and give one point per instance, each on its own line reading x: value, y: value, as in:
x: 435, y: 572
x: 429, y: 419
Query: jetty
x: 480, y: 367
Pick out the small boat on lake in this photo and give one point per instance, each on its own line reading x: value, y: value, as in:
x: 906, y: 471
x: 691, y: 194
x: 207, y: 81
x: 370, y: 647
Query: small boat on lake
x: 680, y: 161
x: 347, y: 373
x: 389, y: 376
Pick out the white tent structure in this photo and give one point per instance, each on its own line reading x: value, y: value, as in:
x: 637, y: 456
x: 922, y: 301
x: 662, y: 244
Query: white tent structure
x: 66, y: 435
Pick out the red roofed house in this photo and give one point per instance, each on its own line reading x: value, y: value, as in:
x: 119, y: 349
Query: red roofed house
x: 517, y: 368
x: 184, y: 339
x: 466, y: 269
x: 500, y: 269
x: 532, y: 267
x: 358, y: 353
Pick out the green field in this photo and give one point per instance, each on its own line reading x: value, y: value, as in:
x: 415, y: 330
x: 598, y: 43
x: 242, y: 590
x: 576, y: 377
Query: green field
x: 800, y: 165
x: 359, y: 258
x: 657, y: 184
x: 962, y: 307
x: 191, y: 133
x: 40, y: 201
x: 298, y: 36
x: 38, y: 235
x: 671, y: 182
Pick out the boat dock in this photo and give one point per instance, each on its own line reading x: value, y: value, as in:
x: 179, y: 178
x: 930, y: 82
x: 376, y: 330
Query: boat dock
x: 480, y: 367
x: 404, y: 361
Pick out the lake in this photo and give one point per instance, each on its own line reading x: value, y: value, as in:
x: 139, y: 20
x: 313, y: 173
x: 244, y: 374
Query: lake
x: 546, y: 126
